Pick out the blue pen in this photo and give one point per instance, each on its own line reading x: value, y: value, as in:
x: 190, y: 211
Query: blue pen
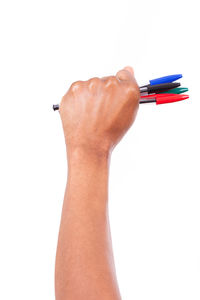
x: 165, y: 79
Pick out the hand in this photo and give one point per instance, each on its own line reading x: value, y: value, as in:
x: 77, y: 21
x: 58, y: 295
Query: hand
x: 97, y: 113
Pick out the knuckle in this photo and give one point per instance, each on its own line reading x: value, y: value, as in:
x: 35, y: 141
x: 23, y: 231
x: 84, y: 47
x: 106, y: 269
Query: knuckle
x: 75, y: 85
x: 119, y: 73
x: 123, y: 75
x: 94, y: 82
x: 111, y: 81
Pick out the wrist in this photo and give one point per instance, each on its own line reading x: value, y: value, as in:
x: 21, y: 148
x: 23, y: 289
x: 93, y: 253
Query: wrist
x: 88, y: 154
x: 88, y: 172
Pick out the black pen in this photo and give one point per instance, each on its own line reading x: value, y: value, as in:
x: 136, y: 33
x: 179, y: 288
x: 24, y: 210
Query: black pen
x: 159, y: 88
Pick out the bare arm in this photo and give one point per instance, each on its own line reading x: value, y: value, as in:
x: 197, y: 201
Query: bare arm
x: 95, y: 115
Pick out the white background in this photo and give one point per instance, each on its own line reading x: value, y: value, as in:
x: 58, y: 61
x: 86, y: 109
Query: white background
x: 154, y: 183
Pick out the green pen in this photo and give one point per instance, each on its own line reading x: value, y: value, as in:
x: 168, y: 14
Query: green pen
x: 176, y: 91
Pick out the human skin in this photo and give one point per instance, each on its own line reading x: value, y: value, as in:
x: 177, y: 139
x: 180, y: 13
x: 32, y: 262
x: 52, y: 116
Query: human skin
x: 95, y: 116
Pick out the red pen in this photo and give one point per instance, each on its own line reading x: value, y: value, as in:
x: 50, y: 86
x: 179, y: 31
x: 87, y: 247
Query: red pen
x: 157, y: 98
x: 162, y: 98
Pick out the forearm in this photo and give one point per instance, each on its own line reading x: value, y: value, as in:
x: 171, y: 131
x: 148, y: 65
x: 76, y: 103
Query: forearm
x: 84, y: 264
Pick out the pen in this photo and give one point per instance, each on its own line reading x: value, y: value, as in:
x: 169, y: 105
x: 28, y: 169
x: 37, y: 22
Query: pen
x: 159, y: 88
x: 162, y: 99
x: 177, y: 91
x: 165, y: 79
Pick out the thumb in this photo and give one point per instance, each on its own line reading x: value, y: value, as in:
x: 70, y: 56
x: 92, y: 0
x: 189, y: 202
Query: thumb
x: 125, y: 74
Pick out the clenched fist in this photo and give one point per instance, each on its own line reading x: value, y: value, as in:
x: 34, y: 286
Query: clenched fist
x: 97, y: 113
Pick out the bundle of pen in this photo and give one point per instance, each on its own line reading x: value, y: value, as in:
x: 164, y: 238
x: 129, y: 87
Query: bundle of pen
x: 160, y: 90
x: 163, y: 90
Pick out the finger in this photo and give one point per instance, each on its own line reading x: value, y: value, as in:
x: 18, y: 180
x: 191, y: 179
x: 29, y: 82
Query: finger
x: 130, y: 69
x: 125, y: 74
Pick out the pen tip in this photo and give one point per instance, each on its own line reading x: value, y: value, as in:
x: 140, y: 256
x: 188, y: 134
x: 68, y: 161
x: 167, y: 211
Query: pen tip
x: 56, y: 107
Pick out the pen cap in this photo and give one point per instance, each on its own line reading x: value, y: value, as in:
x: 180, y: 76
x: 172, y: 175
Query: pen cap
x: 170, y: 98
x: 179, y: 90
x: 163, y: 87
x: 165, y: 79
